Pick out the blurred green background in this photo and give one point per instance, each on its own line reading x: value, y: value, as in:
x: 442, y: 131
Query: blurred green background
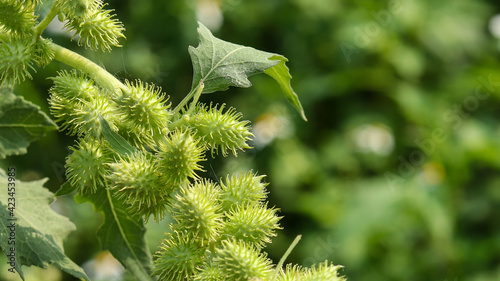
x: 396, y: 175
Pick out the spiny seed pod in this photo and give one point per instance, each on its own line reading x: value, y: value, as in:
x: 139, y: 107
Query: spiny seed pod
x: 179, y: 158
x: 324, y: 271
x: 85, y: 167
x: 292, y: 273
x: 135, y: 179
x: 144, y: 112
x: 221, y: 130
x: 68, y: 89
x: 17, y: 16
x: 242, y: 188
x: 239, y: 261
x: 73, y: 85
x: 208, y: 273
x: 44, y: 53
x: 77, y: 103
x: 78, y: 8
x: 135, y: 135
x: 252, y: 223
x: 82, y: 117
x: 97, y: 30
x: 15, y: 60
x: 197, y: 212
x: 178, y: 258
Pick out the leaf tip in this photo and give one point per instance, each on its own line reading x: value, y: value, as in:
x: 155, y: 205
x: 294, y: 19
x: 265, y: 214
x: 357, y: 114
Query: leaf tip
x: 303, y: 116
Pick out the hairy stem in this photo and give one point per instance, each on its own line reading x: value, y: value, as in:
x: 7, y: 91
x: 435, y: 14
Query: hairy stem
x: 97, y: 73
x: 197, y: 95
x: 45, y: 22
x: 189, y: 96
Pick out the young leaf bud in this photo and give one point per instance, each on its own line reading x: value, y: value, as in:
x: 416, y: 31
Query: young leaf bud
x: 179, y: 158
x: 85, y: 167
x: 239, y: 261
x: 135, y: 179
x: 323, y: 271
x: 197, y: 212
x: 221, y: 130
x: 242, y: 188
x: 97, y: 30
x: 15, y: 60
x: 178, y: 258
x: 252, y: 223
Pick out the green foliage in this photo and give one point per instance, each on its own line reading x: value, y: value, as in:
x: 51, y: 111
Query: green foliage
x: 137, y: 158
x: 37, y: 231
x: 121, y: 233
x: 382, y: 84
x: 221, y: 64
x: 281, y: 74
x: 225, y: 64
x: 21, y: 122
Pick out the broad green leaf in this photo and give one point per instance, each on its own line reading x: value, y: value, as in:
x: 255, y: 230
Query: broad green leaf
x: 39, y: 231
x: 121, y: 233
x: 65, y: 189
x: 21, y: 122
x: 281, y: 74
x: 220, y: 64
x: 117, y: 142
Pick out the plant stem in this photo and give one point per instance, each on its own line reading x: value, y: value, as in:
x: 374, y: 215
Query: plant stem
x: 185, y: 100
x: 283, y: 258
x: 45, y: 22
x: 97, y: 73
x: 197, y: 95
x: 196, y: 92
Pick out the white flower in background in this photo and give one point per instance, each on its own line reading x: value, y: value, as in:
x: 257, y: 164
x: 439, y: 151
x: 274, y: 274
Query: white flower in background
x: 373, y: 138
x: 209, y: 13
x: 494, y: 25
x: 271, y: 125
x: 104, y: 267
